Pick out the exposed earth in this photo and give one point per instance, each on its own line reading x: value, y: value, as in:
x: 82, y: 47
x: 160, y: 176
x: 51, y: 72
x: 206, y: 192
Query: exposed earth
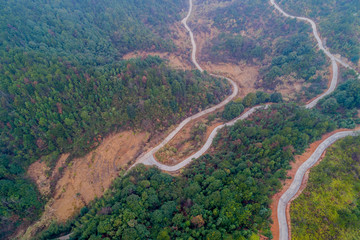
x: 85, y: 178
x: 89, y: 177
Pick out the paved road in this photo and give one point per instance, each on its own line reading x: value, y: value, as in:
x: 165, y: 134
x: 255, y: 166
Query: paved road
x: 193, y: 43
x: 295, y: 185
x: 335, y: 67
x: 148, y: 158
x: 315, y: 32
x: 151, y: 160
x: 321, y: 46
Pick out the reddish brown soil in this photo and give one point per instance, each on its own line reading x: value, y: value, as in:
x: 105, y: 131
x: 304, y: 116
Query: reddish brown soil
x: 245, y: 76
x: 88, y: 177
x: 299, y: 160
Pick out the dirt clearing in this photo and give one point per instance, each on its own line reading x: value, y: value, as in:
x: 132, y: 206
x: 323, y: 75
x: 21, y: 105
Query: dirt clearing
x: 84, y: 178
x: 88, y: 177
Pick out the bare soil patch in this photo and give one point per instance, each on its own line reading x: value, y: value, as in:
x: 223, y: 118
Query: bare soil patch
x: 244, y: 75
x: 41, y: 174
x: 290, y: 87
x: 247, y: 76
x: 299, y: 160
x: 78, y: 183
x: 88, y: 177
x: 84, y: 178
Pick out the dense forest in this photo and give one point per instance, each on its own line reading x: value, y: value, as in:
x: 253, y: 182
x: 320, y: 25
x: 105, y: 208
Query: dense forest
x: 284, y: 48
x: 338, y: 21
x: 92, y: 32
x: 64, y: 86
x: 223, y: 195
x: 50, y: 107
x: 329, y: 207
x: 344, y: 103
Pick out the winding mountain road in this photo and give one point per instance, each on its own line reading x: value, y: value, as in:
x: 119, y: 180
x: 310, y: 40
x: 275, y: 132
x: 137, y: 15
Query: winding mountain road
x: 321, y: 46
x: 151, y: 160
x: 148, y: 158
x: 295, y: 185
x: 335, y: 67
